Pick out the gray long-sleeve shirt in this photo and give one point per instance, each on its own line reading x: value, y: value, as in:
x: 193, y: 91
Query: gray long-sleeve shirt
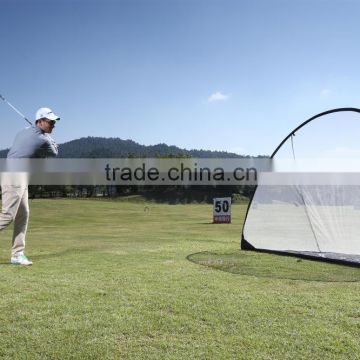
x: 32, y: 142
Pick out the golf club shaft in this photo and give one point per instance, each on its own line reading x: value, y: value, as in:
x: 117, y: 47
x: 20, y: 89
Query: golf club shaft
x: 15, y: 109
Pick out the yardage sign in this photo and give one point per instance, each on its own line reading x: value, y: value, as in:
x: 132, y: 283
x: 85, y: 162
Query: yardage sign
x: 222, y: 210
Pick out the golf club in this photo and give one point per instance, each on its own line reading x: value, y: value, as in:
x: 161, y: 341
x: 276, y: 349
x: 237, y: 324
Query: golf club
x: 15, y: 109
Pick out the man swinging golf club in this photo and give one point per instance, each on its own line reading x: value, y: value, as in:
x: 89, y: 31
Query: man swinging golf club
x: 32, y: 142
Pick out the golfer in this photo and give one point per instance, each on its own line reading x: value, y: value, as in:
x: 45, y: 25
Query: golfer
x: 32, y: 142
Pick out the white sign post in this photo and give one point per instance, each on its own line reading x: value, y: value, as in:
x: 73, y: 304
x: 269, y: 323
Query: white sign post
x: 222, y: 211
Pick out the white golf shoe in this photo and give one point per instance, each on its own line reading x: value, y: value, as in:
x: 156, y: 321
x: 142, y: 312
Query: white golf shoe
x: 20, y: 259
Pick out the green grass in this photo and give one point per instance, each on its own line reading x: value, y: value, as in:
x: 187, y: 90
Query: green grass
x: 276, y: 266
x: 112, y: 280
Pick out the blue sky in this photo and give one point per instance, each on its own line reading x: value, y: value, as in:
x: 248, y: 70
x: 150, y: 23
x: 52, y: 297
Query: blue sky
x: 219, y: 75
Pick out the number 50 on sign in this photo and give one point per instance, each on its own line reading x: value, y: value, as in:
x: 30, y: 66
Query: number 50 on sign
x: 222, y: 210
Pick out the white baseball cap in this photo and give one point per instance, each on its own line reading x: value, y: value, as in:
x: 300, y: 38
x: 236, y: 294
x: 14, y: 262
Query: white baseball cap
x: 46, y: 113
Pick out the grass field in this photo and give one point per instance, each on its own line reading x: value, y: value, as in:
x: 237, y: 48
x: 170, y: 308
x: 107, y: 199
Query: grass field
x: 114, y: 280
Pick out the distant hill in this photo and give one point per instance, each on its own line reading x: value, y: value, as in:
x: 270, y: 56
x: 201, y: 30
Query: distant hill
x: 98, y: 147
x: 3, y: 153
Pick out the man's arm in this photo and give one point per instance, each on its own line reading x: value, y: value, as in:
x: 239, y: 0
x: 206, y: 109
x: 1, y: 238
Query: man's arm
x: 49, y: 147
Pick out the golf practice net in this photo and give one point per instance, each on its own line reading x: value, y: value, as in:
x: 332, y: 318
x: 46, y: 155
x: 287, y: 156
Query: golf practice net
x: 317, y: 220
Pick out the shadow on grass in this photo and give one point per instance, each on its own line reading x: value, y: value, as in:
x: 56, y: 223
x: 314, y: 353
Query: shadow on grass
x: 275, y: 266
x: 48, y: 255
x: 70, y: 251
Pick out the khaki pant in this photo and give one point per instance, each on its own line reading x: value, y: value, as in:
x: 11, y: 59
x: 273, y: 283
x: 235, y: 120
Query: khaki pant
x: 15, y: 207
